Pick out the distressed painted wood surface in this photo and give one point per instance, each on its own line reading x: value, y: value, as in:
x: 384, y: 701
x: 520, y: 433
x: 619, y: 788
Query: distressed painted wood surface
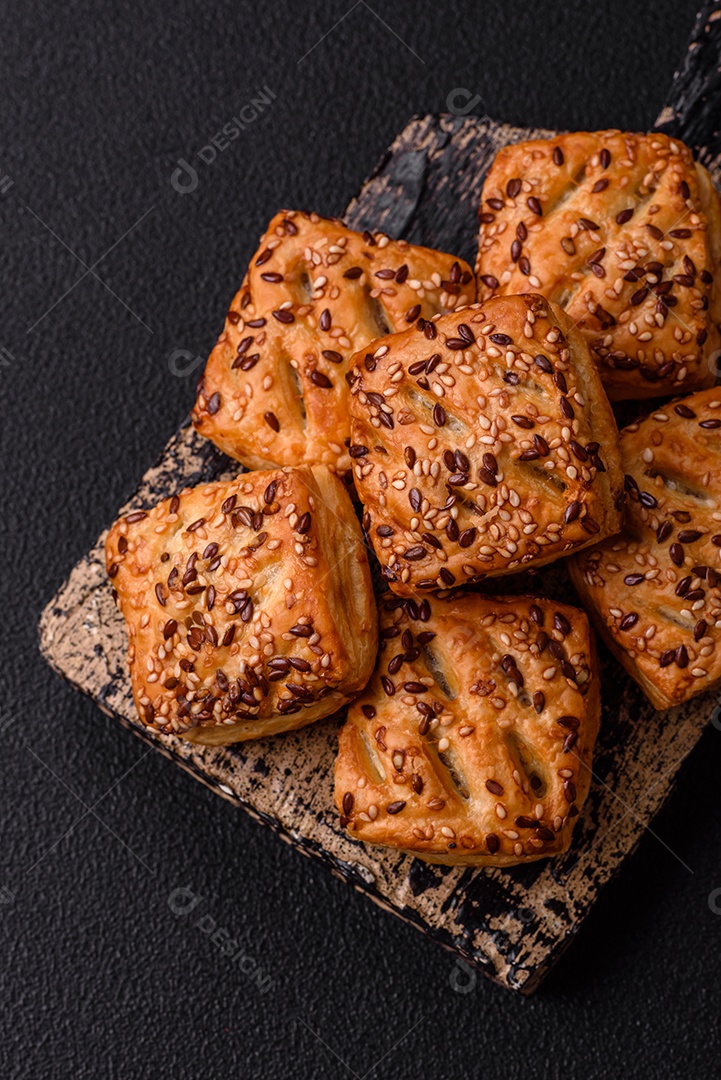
x: 514, y: 923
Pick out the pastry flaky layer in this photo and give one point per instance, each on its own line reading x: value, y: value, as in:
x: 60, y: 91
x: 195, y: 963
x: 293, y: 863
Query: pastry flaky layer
x: 624, y: 232
x: 472, y: 742
x: 654, y: 591
x: 482, y: 444
x: 248, y: 605
x: 274, y: 390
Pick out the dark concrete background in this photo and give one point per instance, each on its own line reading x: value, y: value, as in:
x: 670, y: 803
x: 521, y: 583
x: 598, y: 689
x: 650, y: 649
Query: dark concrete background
x: 99, y: 976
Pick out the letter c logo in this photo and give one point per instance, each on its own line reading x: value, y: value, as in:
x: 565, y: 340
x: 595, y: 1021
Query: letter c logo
x: 185, y: 178
x: 183, y: 900
x: 178, y: 368
x: 460, y: 101
x: 462, y: 978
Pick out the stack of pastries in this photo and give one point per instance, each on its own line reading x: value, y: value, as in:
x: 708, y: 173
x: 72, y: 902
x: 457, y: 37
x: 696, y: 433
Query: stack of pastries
x: 456, y: 427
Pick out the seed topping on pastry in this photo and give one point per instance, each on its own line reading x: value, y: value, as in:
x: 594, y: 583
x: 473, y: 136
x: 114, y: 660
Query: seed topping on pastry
x: 475, y: 446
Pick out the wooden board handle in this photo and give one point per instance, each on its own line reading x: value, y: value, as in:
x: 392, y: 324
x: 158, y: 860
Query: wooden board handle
x: 693, y: 109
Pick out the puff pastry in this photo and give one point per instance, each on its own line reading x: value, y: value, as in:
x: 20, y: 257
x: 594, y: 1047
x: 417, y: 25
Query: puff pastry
x: 274, y: 390
x: 248, y: 605
x: 654, y: 591
x: 624, y: 232
x: 472, y: 742
x: 482, y: 443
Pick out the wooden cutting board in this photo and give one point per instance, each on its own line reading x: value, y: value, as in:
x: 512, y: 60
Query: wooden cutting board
x: 511, y: 923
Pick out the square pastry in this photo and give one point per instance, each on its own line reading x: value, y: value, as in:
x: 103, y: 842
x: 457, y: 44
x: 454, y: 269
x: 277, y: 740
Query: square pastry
x: 624, y: 232
x: 248, y: 605
x: 274, y: 390
x: 473, y: 741
x: 654, y: 591
x: 482, y: 444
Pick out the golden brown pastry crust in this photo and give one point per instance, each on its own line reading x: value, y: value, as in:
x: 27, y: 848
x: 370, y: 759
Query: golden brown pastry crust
x: 472, y: 742
x: 482, y: 444
x: 653, y: 591
x: 248, y: 605
x: 274, y: 390
x: 624, y: 232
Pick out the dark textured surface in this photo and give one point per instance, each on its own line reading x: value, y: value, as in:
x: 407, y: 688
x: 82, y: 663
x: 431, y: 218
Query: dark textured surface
x: 99, y: 976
